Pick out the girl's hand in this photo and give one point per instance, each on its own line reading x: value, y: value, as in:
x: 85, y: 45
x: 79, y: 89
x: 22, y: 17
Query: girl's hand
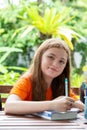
x: 62, y: 104
x: 78, y: 104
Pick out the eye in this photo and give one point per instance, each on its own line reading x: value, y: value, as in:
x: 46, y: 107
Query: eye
x: 51, y: 57
x: 62, y: 62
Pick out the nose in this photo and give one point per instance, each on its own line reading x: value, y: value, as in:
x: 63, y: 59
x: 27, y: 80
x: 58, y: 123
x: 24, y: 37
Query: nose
x: 55, y: 63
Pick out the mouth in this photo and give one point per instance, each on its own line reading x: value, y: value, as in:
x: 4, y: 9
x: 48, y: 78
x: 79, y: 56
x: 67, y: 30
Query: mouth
x: 53, y: 69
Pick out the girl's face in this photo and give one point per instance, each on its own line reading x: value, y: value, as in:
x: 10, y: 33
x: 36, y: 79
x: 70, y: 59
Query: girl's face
x: 53, y: 62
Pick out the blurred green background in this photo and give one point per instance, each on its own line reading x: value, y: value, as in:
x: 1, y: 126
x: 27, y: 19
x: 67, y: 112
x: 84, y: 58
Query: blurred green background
x: 25, y: 24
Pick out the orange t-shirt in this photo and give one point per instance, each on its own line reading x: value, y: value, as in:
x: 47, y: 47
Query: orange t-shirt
x: 23, y: 88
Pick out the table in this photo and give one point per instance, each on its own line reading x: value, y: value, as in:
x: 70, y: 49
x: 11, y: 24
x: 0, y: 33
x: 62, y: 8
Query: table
x: 29, y: 122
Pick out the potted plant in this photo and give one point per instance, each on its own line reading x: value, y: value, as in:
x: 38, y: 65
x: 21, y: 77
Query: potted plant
x: 76, y: 81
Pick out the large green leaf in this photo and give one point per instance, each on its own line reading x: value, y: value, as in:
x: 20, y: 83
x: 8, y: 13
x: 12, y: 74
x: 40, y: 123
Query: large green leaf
x: 50, y: 23
x: 7, y: 51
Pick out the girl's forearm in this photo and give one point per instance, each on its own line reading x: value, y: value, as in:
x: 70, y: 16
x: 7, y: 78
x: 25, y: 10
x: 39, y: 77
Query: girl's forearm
x: 26, y: 107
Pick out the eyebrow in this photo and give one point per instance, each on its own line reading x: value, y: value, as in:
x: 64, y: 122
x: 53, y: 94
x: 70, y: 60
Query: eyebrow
x: 63, y: 59
x: 55, y: 56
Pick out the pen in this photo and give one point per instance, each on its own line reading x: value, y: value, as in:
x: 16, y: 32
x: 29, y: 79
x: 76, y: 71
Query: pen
x: 66, y: 87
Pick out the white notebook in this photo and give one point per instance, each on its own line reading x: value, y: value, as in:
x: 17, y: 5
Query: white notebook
x: 52, y: 115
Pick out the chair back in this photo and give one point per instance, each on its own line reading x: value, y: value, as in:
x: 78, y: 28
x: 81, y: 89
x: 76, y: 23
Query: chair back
x: 4, y: 92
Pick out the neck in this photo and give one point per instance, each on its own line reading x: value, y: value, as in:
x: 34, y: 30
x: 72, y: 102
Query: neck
x: 48, y: 81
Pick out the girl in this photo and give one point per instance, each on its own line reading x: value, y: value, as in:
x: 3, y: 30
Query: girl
x: 42, y: 86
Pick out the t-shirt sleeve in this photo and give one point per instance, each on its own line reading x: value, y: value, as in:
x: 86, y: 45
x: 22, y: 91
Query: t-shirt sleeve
x: 22, y: 88
x: 72, y: 94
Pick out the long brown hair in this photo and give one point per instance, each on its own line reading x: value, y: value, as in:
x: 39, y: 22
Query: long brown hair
x: 39, y: 84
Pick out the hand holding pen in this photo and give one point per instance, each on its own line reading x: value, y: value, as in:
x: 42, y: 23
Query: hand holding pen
x: 63, y: 103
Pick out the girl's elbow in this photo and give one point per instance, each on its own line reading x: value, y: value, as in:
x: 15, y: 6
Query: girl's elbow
x: 7, y: 108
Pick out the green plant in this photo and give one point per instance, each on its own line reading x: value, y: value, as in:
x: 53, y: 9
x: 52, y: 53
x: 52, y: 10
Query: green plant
x: 84, y: 68
x: 11, y: 75
x: 50, y: 23
x: 76, y: 80
x: 9, y: 78
x: 5, y: 52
